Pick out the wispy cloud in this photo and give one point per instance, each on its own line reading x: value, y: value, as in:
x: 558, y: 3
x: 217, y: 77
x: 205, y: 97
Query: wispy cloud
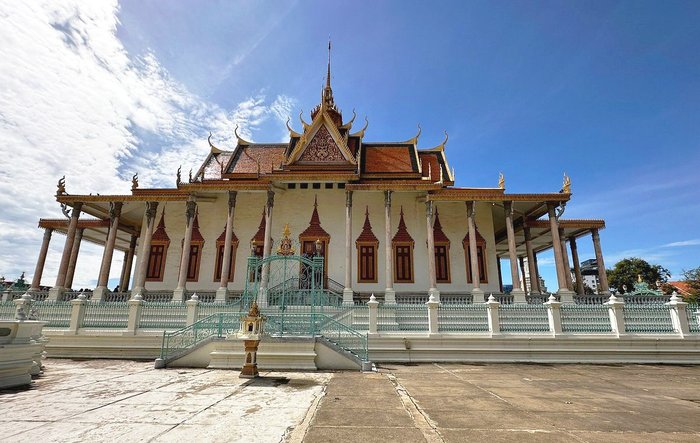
x: 693, y: 242
x: 74, y: 102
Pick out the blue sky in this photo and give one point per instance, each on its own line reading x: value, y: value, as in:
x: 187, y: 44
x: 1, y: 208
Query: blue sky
x: 607, y: 91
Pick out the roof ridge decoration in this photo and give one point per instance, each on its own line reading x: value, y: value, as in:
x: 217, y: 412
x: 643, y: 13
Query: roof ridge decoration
x: 367, y: 235
x: 241, y: 141
x: 402, y: 235
x: 314, y: 230
x: 321, y: 123
x: 214, y: 149
x: 438, y: 235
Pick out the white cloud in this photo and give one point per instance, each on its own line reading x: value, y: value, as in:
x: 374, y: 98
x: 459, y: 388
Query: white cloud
x: 693, y: 242
x: 73, y: 102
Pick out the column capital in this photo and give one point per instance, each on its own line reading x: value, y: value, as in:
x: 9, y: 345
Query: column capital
x: 429, y: 208
x: 595, y: 234
x: 115, y: 210
x: 151, y: 208
x: 508, y: 207
x: 387, y: 199
x: 77, y: 207
x: 270, y: 198
x: 190, y: 210
x: 471, y: 209
x: 232, y: 199
x: 348, y: 199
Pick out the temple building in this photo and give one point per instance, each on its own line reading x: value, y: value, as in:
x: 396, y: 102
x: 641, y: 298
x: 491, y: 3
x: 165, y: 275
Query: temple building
x: 385, y: 215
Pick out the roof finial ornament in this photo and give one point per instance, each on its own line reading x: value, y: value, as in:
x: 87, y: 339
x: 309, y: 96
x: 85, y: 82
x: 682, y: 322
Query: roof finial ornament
x: 135, y: 182
x: 61, y: 187
x: 214, y: 149
x: 327, y: 95
x: 566, y: 186
x: 292, y: 132
x: 501, y: 181
x: 414, y: 140
x: 303, y: 123
x: 179, y: 176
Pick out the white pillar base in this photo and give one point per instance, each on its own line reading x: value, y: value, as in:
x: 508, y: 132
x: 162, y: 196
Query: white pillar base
x: 221, y: 295
x: 519, y: 296
x: 348, y: 296
x: 98, y: 294
x: 566, y: 295
x: 179, y: 295
x: 56, y: 293
x: 477, y: 295
x: 434, y: 293
x: 137, y: 290
x: 389, y: 296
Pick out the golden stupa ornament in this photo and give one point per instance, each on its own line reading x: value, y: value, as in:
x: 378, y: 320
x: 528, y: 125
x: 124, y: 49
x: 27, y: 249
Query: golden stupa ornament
x: 501, y: 181
x: 566, y: 186
x: 285, y: 247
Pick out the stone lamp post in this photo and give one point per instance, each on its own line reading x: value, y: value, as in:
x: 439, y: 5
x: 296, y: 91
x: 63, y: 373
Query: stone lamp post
x: 251, y: 332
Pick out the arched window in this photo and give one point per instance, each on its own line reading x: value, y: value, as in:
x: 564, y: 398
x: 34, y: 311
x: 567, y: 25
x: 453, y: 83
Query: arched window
x: 367, y: 244
x: 442, y: 252
x: 402, y: 244
x: 220, y: 255
x: 480, y: 257
x: 158, y: 252
x: 196, y: 246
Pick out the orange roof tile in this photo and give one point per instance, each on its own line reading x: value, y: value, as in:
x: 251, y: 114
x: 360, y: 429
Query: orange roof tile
x: 247, y: 158
x: 388, y: 159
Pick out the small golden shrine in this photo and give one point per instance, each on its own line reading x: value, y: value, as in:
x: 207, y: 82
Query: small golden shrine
x: 250, y: 332
x: 286, y: 247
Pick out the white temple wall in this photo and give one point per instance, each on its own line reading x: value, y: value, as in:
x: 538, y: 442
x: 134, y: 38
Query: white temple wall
x: 295, y: 206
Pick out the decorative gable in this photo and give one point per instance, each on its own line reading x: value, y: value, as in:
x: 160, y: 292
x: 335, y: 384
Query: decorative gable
x: 322, y: 148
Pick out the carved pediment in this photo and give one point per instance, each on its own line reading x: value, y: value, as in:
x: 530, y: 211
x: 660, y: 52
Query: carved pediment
x: 322, y: 148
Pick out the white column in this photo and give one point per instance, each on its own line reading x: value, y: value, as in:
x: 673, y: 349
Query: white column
x: 432, y: 279
x: 128, y: 263
x: 222, y: 292
x: 679, y: 318
x: 518, y: 293
x: 190, y: 212
x: 389, y: 293
x: 531, y: 265
x: 565, y: 295
x: 554, y: 315
x: 267, y: 249
x: 41, y: 260
x: 347, y: 291
x: 565, y: 258
x: 57, y: 291
x: 577, y: 266
x: 115, y: 209
x: 433, y: 325
x: 602, y: 276
x: 149, y: 221
x: 477, y: 292
x: 75, y: 251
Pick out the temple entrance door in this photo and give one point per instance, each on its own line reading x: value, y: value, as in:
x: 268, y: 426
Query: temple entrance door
x: 309, y: 250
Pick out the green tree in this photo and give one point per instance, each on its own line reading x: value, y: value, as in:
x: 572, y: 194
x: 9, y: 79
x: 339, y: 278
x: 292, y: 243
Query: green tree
x: 628, y: 270
x: 691, y: 277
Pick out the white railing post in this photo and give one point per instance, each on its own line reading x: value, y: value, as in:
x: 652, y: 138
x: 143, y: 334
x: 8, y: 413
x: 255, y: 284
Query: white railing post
x: 617, y: 315
x: 679, y: 318
x: 77, y: 313
x: 432, y: 304
x: 373, y: 305
x: 192, y: 309
x: 554, y: 315
x: 135, y: 309
x: 492, y: 306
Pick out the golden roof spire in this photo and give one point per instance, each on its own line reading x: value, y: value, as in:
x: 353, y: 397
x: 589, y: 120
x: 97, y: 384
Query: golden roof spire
x: 327, y: 96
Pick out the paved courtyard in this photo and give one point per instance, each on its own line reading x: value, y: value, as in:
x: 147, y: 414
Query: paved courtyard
x: 102, y: 400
